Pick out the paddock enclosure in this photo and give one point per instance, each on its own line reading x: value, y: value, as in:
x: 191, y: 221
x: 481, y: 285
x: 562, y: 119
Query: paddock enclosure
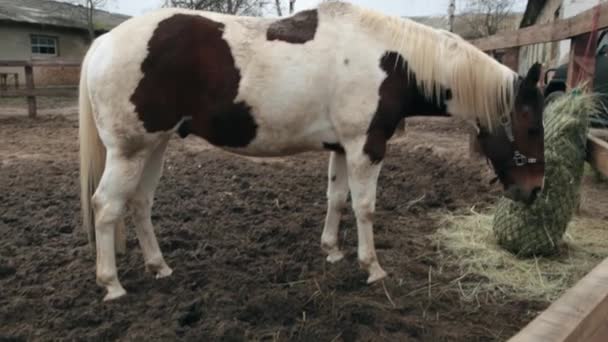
x: 242, y: 236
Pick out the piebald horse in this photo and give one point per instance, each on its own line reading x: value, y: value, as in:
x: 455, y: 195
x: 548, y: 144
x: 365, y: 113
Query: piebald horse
x: 338, y: 77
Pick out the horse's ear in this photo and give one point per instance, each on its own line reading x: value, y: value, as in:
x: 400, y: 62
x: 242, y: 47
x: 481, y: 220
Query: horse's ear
x: 533, y: 75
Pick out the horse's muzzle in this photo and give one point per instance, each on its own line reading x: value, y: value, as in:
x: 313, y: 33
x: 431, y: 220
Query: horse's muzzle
x: 519, y: 194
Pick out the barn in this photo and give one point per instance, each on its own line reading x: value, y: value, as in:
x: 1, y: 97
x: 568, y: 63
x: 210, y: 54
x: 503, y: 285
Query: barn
x: 44, y: 29
x: 546, y: 11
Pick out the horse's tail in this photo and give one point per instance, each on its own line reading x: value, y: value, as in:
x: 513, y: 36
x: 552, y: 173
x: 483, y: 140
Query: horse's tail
x: 92, y: 153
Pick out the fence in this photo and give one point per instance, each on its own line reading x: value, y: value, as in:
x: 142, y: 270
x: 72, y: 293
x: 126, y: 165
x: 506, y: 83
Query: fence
x: 30, y: 90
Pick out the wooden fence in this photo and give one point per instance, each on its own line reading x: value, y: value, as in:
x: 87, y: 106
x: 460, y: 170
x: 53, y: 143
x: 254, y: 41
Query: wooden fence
x: 582, y: 313
x: 30, y: 90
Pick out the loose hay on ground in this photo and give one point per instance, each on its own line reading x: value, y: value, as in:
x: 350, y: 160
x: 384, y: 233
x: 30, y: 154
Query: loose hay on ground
x: 468, y: 241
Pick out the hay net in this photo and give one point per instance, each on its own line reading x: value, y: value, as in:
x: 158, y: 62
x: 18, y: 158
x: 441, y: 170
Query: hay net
x: 538, y: 229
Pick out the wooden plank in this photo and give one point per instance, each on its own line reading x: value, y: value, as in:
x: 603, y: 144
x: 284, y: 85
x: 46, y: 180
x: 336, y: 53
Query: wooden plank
x: 599, y: 132
x: 511, y: 58
x: 58, y: 91
x: 29, y: 84
x: 597, y: 154
x: 581, y: 65
x: 579, y: 315
x: 544, y: 33
x: 50, y: 62
x: 601, y: 335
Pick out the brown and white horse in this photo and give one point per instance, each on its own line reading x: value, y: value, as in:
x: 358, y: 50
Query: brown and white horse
x: 338, y: 78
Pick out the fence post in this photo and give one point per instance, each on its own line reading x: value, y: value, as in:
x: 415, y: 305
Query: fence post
x: 29, y: 85
x: 581, y: 66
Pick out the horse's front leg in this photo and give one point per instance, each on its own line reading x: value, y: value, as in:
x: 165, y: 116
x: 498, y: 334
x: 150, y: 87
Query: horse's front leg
x: 337, y: 194
x: 362, y: 178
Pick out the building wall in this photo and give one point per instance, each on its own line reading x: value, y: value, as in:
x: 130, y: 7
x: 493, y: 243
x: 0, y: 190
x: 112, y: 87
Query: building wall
x: 556, y: 53
x: 15, y: 44
x: 546, y: 53
x: 572, y: 8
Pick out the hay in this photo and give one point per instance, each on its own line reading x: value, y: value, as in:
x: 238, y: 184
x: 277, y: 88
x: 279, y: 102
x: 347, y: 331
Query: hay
x: 538, y: 229
x: 468, y: 242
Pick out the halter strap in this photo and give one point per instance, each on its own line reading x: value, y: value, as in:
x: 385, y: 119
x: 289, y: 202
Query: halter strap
x: 519, y: 159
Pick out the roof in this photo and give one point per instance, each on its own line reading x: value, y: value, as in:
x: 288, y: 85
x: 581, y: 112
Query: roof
x: 47, y: 12
x: 533, y: 10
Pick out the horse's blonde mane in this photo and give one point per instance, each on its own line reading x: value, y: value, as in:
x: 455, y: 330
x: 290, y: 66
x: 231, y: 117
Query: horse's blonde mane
x: 482, y: 88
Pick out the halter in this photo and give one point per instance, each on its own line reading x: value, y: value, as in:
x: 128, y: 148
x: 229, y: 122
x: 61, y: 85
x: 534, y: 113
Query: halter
x: 519, y: 159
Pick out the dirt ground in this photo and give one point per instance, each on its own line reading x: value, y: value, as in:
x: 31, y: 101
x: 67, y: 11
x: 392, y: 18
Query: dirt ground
x: 243, y: 238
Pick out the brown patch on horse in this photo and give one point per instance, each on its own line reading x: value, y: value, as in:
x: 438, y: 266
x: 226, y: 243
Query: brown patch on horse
x: 190, y: 72
x: 297, y: 29
x: 400, y: 97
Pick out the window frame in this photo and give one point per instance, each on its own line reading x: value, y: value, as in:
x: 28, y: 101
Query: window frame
x: 38, y: 45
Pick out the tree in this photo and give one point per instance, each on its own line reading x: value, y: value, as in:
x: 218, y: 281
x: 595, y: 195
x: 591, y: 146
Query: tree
x: 279, y: 7
x: 244, y: 7
x: 487, y: 17
x: 86, y: 10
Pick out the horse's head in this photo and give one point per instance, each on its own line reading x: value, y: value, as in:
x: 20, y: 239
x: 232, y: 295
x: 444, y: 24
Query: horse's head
x: 516, y: 150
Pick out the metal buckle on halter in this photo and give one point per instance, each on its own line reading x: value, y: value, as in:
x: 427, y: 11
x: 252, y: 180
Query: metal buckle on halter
x: 519, y: 159
x: 505, y: 121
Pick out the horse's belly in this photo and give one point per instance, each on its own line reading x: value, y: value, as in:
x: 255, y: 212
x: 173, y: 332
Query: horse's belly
x: 283, y: 140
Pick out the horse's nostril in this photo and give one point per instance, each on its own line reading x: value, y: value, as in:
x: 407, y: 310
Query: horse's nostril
x: 534, y: 194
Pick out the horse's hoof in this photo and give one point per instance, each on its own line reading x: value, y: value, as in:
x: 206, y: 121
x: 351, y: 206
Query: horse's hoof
x: 114, y: 293
x: 335, y: 256
x: 159, y: 268
x: 164, y: 272
x: 376, y: 273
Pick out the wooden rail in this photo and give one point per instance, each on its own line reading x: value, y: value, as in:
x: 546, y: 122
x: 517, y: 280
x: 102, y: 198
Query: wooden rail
x: 580, y: 315
x: 544, y: 33
x: 597, y: 151
x: 30, y: 90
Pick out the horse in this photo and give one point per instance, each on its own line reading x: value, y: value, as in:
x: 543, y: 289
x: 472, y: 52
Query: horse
x: 337, y: 78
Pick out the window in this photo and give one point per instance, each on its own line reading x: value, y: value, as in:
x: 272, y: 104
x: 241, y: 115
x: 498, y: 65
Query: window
x: 44, y: 45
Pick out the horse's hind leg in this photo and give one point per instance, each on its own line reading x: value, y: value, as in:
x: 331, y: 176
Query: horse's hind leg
x: 118, y: 183
x: 337, y: 194
x: 141, y: 205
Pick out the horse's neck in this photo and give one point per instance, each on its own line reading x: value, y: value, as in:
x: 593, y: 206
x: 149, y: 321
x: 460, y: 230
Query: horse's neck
x: 480, y: 84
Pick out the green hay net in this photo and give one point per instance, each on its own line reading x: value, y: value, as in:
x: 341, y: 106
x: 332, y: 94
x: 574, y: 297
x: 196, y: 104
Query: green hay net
x: 538, y: 229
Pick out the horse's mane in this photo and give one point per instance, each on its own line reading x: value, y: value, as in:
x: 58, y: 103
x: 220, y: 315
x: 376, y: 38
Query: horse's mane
x: 482, y: 88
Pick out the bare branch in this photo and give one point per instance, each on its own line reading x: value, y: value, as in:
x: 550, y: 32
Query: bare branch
x: 243, y: 7
x: 487, y: 17
x: 85, y: 9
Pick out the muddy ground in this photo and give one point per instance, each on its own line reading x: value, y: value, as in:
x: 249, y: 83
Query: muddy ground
x: 243, y: 238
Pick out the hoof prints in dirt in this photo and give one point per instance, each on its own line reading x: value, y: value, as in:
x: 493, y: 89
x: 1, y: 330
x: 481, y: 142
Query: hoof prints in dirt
x: 243, y: 239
